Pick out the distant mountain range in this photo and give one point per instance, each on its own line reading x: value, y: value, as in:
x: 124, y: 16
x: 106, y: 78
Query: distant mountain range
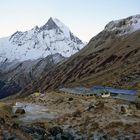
x: 111, y: 58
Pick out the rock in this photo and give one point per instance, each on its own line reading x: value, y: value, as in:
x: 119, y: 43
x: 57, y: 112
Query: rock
x: 14, y: 116
x: 105, y: 137
x: 100, y: 104
x: 39, y: 130
x: 67, y: 136
x: 137, y: 105
x: 1, y: 134
x: 137, y: 138
x: 41, y: 100
x: 77, y: 113
x: 90, y: 107
x: 38, y: 137
x: 56, y: 130
x: 59, y: 100
x: 64, y: 136
x: 70, y: 99
x: 127, y: 138
x: 8, y: 136
x: 36, y: 132
x: 20, y: 111
x: 15, y: 126
x: 27, y: 129
x: 11, y: 138
x: 2, y: 121
x: 58, y: 137
x: 95, y: 125
x: 34, y: 129
x: 123, y: 110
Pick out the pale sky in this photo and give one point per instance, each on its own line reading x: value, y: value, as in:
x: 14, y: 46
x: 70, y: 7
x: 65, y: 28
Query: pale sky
x: 85, y: 18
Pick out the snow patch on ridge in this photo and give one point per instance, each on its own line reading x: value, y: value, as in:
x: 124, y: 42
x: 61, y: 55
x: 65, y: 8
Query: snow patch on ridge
x: 124, y: 26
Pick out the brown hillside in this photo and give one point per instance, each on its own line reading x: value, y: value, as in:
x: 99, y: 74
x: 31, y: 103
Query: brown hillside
x: 108, y: 59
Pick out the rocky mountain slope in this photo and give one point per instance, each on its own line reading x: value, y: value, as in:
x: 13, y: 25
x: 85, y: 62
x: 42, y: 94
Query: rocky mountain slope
x: 15, y: 76
x: 110, y: 58
x: 26, y: 71
x: 25, y: 56
x: 8, y: 88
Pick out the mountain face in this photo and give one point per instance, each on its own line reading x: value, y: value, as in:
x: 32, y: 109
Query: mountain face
x: 16, y: 75
x: 111, y: 58
x: 54, y: 37
x: 25, y: 56
x: 22, y: 73
x: 7, y: 89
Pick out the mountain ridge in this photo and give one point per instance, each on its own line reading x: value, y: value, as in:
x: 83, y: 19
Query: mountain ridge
x: 40, y: 42
x: 108, y: 59
x: 125, y: 25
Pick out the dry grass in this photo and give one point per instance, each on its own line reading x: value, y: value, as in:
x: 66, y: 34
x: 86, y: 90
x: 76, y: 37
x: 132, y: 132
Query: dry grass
x: 5, y: 109
x: 104, y: 61
x: 105, y: 117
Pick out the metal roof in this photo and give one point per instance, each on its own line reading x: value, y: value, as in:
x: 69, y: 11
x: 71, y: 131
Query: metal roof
x: 98, y: 89
x: 113, y: 90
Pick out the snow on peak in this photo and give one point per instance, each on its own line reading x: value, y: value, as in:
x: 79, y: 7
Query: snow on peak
x: 49, y: 25
x: 39, y: 42
x: 63, y: 27
x: 124, y: 26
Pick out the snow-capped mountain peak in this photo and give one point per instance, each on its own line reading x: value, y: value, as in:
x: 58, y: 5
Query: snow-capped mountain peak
x: 39, y: 42
x: 49, y: 25
x: 124, y: 26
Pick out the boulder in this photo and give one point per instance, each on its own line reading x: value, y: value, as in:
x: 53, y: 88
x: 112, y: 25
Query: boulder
x: 2, y: 121
x: 58, y: 137
x: 70, y: 99
x: 123, y: 110
x: 67, y: 136
x: 127, y: 138
x: 59, y: 100
x: 64, y: 136
x: 8, y: 136
x: 91, y: 107
x: 37, y: 132
x: 27, y: 130
x: 14, y: 116
x: 20, y: 111
x: 55, y: 130
x: 77, y: 113
x: 100, y: 104
x: 15, y: 126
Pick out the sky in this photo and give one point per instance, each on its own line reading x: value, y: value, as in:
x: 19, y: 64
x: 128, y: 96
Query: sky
x: 85, y: 18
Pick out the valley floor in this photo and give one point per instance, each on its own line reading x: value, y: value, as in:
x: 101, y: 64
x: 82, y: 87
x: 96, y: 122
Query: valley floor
x: 77, y: 117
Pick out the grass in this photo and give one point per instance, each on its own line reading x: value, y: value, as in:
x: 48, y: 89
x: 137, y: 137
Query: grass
x: 5, y: 109
x: 2, y: 105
